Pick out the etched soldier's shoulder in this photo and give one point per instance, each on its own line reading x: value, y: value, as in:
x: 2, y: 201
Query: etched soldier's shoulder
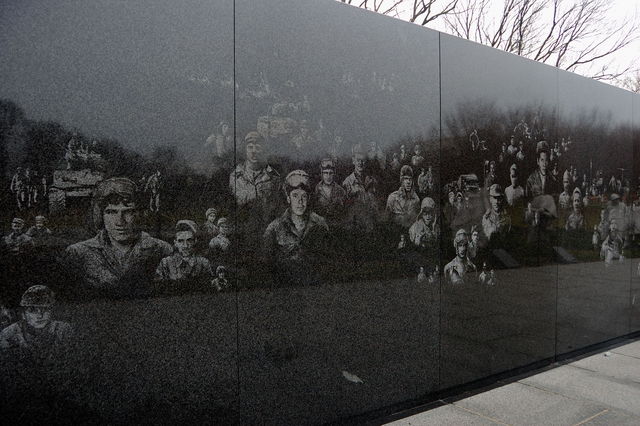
x: 317, y: 219
x: 271, y: 171
x: 147, y: 241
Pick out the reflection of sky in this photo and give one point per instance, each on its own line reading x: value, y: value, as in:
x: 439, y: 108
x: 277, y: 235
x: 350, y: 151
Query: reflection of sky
x: 141, y: 72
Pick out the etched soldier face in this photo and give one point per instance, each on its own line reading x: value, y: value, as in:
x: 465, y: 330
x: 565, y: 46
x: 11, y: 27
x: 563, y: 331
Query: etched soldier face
x: 358, y: 163
x: 543, y: 162
x: 17, y: 227
x: 613, y: 226
x: 120, y: 221
x: 221, y: 274
x: 211, y: 217
x: 577, y: 203
x: 461, y: 249
x: 492, y: 168
x: 514, y: 179
x: 39, y: 223
x: 496, y: 204
x: 298, y: 200
x: 565, y: 184
x: 428, y: 217
x: 407, y: 183
x: 37, y: 317
x: 452, y: 198
x: 225, y: 229
x: 474, y: 237
x: 327, y: 176
x: 184, y: 242
x: 254, y: 153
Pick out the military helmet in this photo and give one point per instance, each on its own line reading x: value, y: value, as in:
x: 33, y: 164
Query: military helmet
x: 297, y: 179
x: 38, y: 296
x: 406, y: 171
x: 427, y: 204
x: 187, y: 225
x: 496, y: 191
x: 461, y: 237
x: 254, y: 137
x: 327, y: 164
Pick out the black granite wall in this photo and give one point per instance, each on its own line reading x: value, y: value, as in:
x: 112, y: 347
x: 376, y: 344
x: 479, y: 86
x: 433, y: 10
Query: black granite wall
x: 381, y: 238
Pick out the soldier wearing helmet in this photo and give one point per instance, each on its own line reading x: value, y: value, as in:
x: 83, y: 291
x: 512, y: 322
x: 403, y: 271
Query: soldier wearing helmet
x: 184, y: 269
x: 460, y: 267
x: 496, y: 220
x: 329, y: 197
x: 362, y: 205
x: 254, y: 183
x: 36, y: 330
x: 290, y: 241
x: 120, y: 260
x: 564, y: 199
x: 403, y: 205
x: 424, y: 231
x: 541, y: 182
x: 575, y: 221
x: 17, y: 243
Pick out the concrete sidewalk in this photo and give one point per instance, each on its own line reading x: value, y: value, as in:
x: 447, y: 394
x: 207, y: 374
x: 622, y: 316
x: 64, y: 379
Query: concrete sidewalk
x: 601, y: 389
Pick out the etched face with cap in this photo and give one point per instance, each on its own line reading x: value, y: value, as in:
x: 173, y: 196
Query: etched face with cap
x: 184, y: 242
x: 496, y: 198
x: 37, y: 317
x: 120, y: 221
x: 543, y: 162
x: 17, y: 226
x: 254, y: 149
x: 461, y: 243
x: 359, y: 162
x: 406, y: 182
x: 40, y: 222
x: 327, y: 170
x: 298, y: 200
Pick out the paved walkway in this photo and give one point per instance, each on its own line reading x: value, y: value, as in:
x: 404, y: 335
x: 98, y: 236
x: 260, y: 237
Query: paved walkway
x: 601, y: 389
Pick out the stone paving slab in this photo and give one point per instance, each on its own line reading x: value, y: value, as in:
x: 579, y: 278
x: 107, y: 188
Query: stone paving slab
x: 612, y: 364
x: 632, y: 349
x: 447, y: 415
x: 587, y: 385
x: 595, y: 390
x: 520, y: 404
x: 613, y: 417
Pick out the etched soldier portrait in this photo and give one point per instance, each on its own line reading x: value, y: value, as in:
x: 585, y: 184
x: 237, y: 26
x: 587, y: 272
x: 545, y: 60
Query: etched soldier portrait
x: 424, y: 232
x: 496, y: 220
x: 612, y: 245
x: 491, y: 176
x: 221, y: 243
x: 221, y: 282
x: 329, y: 197
x: 293, y: 243
x: 361, y: 203
x: 565, y: 197
x: 541, y: 182
x: 36, y: 330
x: 120, y: 261
x: 184, y: 266
x: 153, y: 185
x: 256, y: 187
x: 403, y: 205
x: 514, y: 192
x: 460, y: 269
x: 575, y: 221
x: 39, y: 231
x: 210, y: 228
x: 17, y: 242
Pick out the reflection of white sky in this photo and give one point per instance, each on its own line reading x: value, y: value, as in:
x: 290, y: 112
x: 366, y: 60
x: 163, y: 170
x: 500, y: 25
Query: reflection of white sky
x: 619, y: 11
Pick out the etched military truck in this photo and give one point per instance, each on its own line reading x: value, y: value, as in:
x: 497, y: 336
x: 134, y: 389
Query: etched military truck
x: 71, y: 187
